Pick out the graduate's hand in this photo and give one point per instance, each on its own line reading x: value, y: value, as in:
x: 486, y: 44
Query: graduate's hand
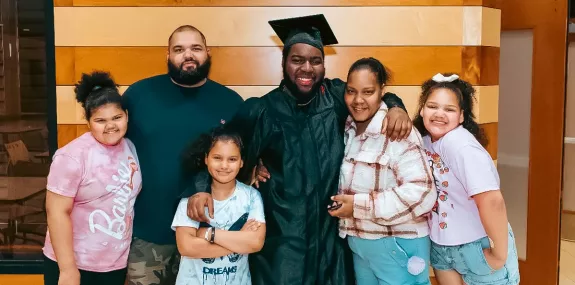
x: 346, y: 209
x: 397, y: 124
x: 261, y: 174
x: 197, y: 205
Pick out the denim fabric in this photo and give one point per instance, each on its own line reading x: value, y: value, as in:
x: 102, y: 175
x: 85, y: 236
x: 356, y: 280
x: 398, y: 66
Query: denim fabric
x: 469, y: 261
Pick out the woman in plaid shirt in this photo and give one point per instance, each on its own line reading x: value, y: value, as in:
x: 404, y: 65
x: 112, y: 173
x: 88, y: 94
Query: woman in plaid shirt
x: 385, y: 188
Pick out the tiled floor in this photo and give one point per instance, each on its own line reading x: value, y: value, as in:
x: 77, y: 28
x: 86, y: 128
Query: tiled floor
x: 567, y: 263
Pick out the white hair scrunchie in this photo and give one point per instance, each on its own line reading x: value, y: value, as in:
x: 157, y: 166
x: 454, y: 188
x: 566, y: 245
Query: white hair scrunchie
x: 441, y: 78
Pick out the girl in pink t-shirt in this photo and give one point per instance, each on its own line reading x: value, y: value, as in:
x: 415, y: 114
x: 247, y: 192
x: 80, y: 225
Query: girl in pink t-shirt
x: 472, y: 241
x: 92, y: 186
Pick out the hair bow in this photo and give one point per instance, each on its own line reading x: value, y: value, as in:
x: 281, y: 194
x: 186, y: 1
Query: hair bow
x: 441, y: 78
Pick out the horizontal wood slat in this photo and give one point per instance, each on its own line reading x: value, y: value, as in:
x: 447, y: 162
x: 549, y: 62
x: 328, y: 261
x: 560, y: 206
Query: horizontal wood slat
x: 262, y: 65
x: 491, y: 132
x: 248, y: 26
x: 234, y: 3
x: 67, y: 3
x: 486, y: 107
x: 21, y: 279
x: 480, y: 65
x: 67, y: 133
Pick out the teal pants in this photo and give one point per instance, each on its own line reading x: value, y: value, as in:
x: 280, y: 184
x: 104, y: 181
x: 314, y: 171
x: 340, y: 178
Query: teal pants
x: 391, y: 261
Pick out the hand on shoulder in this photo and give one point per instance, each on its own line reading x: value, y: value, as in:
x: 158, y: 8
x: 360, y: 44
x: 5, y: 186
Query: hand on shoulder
x: 197, y: 204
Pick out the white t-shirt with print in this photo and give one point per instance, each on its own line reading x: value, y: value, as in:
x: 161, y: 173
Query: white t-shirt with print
x: 461, y: 168
x: 232, y: 269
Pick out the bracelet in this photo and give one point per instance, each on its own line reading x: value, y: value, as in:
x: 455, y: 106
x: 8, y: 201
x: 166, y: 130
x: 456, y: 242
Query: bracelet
x: 213, y: 231
x: 207, y: 235
x: 491, y: 243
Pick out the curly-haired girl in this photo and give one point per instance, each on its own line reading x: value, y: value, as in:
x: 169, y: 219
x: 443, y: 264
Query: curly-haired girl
x: 472, y: 241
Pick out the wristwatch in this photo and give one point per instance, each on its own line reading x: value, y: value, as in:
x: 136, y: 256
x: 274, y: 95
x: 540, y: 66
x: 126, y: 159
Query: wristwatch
x: 213, y: 230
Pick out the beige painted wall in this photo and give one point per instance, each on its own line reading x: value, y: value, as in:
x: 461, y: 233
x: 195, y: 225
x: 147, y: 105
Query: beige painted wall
x: 569, y: 155
x: 515, y: 72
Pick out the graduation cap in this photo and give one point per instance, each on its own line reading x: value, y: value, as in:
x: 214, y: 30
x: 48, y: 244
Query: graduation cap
x: 313, y: 30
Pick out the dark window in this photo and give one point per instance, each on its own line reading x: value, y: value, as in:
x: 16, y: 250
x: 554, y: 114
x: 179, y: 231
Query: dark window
x: 27, y: 130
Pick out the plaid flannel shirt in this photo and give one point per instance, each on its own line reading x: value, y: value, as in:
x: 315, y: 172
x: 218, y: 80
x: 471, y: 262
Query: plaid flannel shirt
x: 391, y: 182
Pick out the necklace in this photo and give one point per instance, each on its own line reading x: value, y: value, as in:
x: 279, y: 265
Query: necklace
x: 307, y: 103
x: 286, y: 90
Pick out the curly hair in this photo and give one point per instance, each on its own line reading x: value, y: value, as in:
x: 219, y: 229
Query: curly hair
x: 465, y: 97
x: 193, y: 159
x: 95, y: 90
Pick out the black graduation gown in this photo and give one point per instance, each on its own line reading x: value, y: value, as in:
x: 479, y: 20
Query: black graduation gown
x: 302, y: 148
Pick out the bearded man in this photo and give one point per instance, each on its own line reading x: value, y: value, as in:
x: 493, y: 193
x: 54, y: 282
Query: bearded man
x: 166, y: 112
x: 296, y: 130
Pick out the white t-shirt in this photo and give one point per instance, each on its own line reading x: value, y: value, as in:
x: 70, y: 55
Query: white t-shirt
x: 232, y: 269
x: 461, y: 168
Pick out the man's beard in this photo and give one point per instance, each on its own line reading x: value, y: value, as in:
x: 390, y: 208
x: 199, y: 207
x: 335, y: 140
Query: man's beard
x: 301, y: 97
x: 192, y: 76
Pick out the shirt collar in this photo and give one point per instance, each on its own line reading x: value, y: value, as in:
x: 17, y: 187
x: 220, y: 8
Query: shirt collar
x: 374, y: 127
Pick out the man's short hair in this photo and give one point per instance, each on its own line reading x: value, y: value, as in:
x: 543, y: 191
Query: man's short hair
x: 186, y: 28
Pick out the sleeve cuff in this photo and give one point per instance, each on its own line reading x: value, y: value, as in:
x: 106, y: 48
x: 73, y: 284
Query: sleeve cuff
x: 391, y: 100
x: 61, y: 192
x: 361, y: 206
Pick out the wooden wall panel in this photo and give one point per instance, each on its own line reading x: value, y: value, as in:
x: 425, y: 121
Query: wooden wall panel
x: 497, y: 4
x: 486, y: 108
x: 21, y: 279
x: 480, y: 65
x: 302, y: 3
x: 64, y: 3
x: 410, y: 65
x: 65, y: 63
x: 490, y: 131
x: 67, y: 133
x: 248, y: 26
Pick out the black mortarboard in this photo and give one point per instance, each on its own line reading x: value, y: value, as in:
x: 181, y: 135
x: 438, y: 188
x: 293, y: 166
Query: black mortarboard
x: 313, y: 30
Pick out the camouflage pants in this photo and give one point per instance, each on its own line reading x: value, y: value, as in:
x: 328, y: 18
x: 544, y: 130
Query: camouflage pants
x: 152, y: 264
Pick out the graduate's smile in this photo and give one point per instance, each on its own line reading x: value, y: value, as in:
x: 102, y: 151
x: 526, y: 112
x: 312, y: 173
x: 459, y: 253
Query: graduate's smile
x: 305, y: 81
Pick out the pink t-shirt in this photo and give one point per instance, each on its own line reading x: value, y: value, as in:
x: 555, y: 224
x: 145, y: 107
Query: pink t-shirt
x: 104, y: 182
x: 461, y: 169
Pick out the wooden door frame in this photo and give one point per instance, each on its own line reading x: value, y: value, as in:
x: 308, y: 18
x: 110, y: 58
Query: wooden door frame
x: 548, y: 21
